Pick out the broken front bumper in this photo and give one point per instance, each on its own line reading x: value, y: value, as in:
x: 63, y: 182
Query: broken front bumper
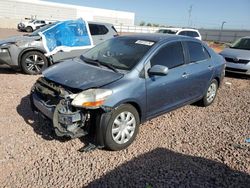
x: 65, y: 121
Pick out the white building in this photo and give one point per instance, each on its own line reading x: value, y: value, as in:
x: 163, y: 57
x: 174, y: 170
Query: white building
x: 13, y: 11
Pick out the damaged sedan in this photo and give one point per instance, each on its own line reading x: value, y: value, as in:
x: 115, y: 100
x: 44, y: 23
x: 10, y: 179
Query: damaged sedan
x: 119, y: 84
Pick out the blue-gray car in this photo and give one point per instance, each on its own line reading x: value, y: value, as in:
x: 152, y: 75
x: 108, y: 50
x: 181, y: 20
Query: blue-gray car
x: 238, y: 56
x: 119, y: 84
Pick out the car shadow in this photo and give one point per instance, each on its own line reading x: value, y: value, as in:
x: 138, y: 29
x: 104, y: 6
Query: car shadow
x: 40, y: 125
x: 5, y: 69
x: 238, y: 76
x: 165, y: 168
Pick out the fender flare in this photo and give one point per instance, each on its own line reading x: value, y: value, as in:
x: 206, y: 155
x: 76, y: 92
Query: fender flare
x: 33, y: 49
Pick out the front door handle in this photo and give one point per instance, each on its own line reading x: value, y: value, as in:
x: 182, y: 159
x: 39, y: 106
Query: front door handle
x: 185, y: 75
x: 210, y: 67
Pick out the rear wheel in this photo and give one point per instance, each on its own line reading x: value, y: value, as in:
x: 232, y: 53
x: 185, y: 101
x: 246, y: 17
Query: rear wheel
x: 33, y: 62
x: 210, y: 94
x: 122, y: 127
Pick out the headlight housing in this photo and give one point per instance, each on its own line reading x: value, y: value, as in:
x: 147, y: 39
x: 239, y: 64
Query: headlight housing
x: 91, y: 98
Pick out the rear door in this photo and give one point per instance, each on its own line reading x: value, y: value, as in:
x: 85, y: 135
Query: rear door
x: 200, y: 67
x: 172, y: 90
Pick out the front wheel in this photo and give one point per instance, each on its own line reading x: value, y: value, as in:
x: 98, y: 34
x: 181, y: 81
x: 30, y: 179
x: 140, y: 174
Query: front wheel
x: 29, y: 29
x: 33, y: 62
x: 122, y: 127
x: 210, y: 93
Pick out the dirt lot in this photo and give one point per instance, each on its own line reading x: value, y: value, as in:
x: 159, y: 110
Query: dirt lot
x: 9, y: 32
x: 189, y: 147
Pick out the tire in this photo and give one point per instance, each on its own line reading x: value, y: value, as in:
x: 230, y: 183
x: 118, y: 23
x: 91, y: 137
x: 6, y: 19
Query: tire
x: 211, y: 93
x: 113, y: 132
x: 33, y: 62
x: 29, y: 29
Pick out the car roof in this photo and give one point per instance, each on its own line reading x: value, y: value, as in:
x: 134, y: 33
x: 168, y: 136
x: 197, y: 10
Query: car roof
x: 156, y: 37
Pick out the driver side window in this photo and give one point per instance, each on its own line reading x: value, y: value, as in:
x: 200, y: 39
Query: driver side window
x: 170, y: 56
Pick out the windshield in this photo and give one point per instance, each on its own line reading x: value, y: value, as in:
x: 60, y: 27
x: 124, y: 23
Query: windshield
x: 168, y: 31
x: 121, y: 53
x: 243, y: 43
x: 35, y: 33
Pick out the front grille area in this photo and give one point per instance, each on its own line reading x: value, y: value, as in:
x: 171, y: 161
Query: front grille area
x: 48, y: 91
x: 236, y: 70
x: 241, y: 61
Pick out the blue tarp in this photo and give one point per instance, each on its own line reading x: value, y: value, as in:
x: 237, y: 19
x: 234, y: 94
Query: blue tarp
x: 66, y: 36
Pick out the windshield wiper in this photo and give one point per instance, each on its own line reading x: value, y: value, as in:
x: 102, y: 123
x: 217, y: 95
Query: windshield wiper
x: 97, y: 63
x: 110, y: 66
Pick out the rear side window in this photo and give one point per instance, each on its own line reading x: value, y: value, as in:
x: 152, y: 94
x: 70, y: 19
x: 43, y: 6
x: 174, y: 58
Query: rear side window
x: 98, y: 29
x: 183, y: 33
x: 170, y: 56
x: 189, y: 33
x: 197, y: 52
x: 192, y: 34
x: 167, y: 31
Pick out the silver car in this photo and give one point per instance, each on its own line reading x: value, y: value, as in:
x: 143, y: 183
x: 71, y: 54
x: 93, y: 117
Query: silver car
x: 27, y: 52
x: 238, y: 56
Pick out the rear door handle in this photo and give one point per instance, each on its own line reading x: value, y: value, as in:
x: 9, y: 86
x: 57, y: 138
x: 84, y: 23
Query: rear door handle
x: 185, y: 75
x: 210, y: 67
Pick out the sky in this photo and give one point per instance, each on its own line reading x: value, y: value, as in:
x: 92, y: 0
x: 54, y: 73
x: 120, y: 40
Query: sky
x: 204, y: 13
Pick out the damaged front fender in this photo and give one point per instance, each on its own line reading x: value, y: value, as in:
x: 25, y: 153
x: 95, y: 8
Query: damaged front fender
x: 68, y: 121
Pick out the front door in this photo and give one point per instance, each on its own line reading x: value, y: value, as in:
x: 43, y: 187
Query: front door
x: 167, y: 92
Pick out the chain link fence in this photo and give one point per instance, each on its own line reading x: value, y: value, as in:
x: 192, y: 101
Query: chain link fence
x: 207, y: 34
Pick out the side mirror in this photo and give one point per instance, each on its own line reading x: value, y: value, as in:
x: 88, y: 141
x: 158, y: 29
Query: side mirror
x: 158, y: 70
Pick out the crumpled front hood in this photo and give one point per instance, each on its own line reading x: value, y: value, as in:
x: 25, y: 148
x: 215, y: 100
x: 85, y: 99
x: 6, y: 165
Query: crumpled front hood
x: 236, y: 53
x: 21, y: 38
x: 77, y: 74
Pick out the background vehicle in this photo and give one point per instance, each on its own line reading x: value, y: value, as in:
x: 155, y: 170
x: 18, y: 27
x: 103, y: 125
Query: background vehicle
x: 238, y: 56
x: 181, y: 31
x: 32, y: 25
x: 125, y: 81
x: 27, y: 51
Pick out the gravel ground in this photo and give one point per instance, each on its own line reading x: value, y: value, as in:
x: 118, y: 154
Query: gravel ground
x: 4, y: 33
x: 189, y: 147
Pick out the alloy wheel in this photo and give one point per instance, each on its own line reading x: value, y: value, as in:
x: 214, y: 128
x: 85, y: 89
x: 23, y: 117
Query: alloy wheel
x: 34, y: 63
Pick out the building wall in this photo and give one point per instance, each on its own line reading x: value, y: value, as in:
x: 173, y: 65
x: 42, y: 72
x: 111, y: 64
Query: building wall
x: 104, y: 15
x: 13, y: 11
